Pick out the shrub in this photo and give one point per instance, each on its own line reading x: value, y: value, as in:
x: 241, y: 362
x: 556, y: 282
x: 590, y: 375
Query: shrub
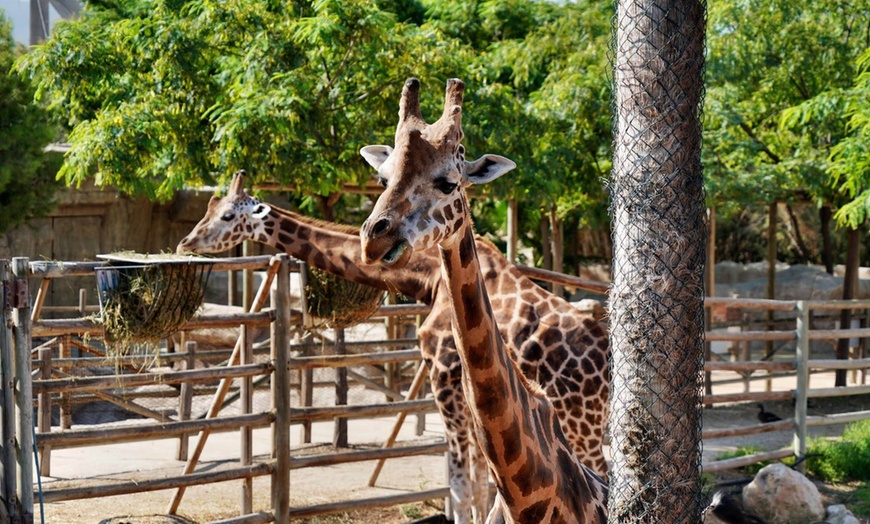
x: 845, y: 459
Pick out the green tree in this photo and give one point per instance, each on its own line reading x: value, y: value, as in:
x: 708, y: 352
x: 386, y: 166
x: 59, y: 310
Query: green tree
x: 27, y: 183
x: 766, y: 57
x: 164, y: 93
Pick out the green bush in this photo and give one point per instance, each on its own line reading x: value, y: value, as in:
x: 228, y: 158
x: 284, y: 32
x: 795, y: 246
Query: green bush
x: 845, y: 459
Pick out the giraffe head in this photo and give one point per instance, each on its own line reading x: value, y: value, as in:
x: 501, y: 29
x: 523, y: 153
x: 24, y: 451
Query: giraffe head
x: 424, y: 176
x: 228, y: 221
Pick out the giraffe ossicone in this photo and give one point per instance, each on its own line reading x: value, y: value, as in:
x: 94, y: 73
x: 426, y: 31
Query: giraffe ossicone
x: 537, y: 474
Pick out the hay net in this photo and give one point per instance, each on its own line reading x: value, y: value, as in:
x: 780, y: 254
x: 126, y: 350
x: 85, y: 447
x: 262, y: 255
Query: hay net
x: 656, y: 308
x: 337, y: 303
x: 144, y: 303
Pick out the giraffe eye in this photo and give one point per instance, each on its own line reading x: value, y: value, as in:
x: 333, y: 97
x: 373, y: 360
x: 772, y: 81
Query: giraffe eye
x: 445, y: 185
x: 228, y: 216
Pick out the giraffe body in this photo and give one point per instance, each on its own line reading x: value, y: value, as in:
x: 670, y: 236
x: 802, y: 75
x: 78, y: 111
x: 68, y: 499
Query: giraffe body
x: 537, y: 474
x: 570, y: 364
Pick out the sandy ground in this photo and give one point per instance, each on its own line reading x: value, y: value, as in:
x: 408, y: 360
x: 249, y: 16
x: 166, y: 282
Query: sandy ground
x: 136, y: 461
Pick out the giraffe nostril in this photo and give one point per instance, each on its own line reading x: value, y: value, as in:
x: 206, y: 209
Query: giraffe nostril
x: 379, y: 228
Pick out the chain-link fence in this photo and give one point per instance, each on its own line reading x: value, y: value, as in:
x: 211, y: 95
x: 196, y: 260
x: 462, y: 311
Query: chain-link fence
x: 656, y: 301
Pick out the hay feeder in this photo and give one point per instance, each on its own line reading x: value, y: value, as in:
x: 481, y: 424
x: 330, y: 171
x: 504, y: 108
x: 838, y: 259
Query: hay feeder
x: 145, y: 298
x: 337, y: 303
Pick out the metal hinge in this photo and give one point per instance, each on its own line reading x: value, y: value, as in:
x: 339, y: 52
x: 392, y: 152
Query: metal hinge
x: 15, y: 294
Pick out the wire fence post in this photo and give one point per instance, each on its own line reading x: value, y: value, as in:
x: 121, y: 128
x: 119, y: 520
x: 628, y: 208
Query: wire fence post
x: 659, y: 240
x: 802, y: 357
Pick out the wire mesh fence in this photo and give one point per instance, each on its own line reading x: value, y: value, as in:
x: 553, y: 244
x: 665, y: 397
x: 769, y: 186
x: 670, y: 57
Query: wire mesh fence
x: 656, y: 301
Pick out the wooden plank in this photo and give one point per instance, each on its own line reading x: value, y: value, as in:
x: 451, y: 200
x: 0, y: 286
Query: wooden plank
x: 374, y: 502
x: 54, y: 269
x: 140, y: 486
x: 745, y: 366
x: 145, y: 379
x: 857, y: 363
x: 297, y: 415
x: 740, y: 336
x: 747, y: 460
x: 748, y: 397
x: 360, y: 359
x: 281, y: 394
x: 755, y: 429
x: 561, y: 278
x: 839, y: 391
x: 837, y: 418
x: 21, y: 331
x: 139, y: 432
x: 346, y: 457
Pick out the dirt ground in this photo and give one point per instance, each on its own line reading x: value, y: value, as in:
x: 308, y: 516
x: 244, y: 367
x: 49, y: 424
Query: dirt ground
x: 201, y: 504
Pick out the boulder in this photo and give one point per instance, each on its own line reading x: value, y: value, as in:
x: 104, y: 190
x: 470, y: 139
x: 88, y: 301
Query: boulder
x: 838, y: 514
x: 780, y: 495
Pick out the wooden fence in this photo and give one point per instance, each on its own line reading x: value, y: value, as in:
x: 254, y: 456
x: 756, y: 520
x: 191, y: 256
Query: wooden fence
x: 37, y: 374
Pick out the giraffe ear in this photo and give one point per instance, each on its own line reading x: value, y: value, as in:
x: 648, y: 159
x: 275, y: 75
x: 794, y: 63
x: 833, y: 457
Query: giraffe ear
x: 487, y: 168
x: 261, y: 210
x: 376, y: 155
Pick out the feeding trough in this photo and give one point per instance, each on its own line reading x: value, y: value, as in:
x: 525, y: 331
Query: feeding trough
x: 144, y: 298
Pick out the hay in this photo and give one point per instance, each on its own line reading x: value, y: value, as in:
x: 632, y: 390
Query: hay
x: 142, y: 304
x: 339, y: 303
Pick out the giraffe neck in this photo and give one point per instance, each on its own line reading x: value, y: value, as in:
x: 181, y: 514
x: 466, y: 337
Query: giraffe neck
x: 536, y: 473
x: 336, y: 249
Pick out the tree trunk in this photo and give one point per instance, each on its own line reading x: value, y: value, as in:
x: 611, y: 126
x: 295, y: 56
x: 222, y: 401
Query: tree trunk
x: 825, y: 215
x: 850, y: 288
x: 657, y: 307
x: 546, y: 252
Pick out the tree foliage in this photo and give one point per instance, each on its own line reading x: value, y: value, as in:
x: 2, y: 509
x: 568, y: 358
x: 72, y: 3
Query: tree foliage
x: 765, y: 58
x: 159, y: 94
x: 26, y: 182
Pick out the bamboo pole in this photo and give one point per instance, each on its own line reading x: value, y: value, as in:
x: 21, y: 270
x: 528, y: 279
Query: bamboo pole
x: 281, y: 395
x: 217, y: 400
x: 417, y: 383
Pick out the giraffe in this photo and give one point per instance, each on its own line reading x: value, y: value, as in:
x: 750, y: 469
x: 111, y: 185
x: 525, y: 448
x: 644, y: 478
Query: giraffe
x: 537, y: 475
x: 555, y: 345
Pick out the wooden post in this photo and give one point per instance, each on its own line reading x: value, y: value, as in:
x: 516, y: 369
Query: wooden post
x: 306, y: 379
x: 185, y: 396
x: 339, y: 435
x: 512, y: 220
x: 546, y: 251
x: 558, y: 247
x: 710, y: 291
x: 247, y: 276
x: 65, y: 397
x: 771, y: 280
x: 246, y: 400
x: 392, y: 372
x: 23, y: 389
x: 419, y: 378
x: 281, y: 395
x: 800, y: 394
x: 44, y: 413
x: 7, y: 399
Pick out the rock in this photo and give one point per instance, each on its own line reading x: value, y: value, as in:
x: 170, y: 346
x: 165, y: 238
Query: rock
x: 838, y: 514
x: 780, y: 495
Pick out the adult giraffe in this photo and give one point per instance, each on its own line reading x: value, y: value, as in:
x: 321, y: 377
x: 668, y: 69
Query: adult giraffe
x: 538, y: 477
x: 554, y: 344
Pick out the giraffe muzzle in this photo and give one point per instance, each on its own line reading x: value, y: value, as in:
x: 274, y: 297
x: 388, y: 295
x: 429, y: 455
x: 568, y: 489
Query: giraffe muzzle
x: 382, y: 244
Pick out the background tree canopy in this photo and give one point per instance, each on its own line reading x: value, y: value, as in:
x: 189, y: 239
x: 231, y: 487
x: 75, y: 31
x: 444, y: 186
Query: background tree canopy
x: 160, y: 94
x: 157, y: 95
x: 27, y: 181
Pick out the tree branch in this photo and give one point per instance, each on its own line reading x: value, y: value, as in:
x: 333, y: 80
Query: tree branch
x: 749, y: 132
